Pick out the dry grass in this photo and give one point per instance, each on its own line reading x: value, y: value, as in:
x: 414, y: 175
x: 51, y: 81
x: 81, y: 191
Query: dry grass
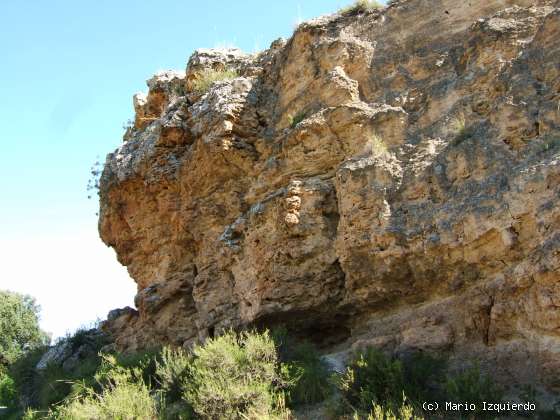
x: 461, y: 131
x: 210, y: 76
x: 458, y: 124
x: 376, y: 146
x: 361, y: 6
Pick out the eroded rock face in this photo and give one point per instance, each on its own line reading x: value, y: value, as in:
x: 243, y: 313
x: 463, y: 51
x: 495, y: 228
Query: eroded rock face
x: 387, y: 178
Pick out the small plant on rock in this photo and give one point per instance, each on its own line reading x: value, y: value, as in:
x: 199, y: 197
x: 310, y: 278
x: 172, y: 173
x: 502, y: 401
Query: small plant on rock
x: 376, y: 146
x: 95, y: 176
x: 295, y: 120
x: 207, y: 77
x: 361, y: 6
x: 460, y: 129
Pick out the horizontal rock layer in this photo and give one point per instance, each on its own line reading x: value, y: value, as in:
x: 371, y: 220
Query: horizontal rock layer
x: 386, y: 178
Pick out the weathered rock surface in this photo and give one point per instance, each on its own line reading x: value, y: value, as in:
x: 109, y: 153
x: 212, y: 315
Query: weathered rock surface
x: 69, y: 353
x: 414, y: 206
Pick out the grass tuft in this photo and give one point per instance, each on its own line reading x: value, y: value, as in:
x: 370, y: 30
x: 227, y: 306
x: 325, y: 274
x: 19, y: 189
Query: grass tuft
x: 460, y: 129
x: 208, y: 77
x: 376, y: 146
x: 361, y: 6
x: 295, y: 120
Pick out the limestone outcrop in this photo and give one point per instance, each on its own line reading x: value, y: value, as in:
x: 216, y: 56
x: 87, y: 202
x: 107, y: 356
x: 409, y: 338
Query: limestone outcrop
x: 386, y: 178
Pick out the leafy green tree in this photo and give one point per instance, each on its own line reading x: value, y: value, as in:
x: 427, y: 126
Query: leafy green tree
x: 19, y: 326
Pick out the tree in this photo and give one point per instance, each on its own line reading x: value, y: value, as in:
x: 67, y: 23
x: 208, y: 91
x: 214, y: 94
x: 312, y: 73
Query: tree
x: 19, y: 326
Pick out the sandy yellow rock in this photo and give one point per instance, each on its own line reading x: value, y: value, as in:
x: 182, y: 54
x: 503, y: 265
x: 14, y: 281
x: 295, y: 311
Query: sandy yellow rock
x: 390, y: 177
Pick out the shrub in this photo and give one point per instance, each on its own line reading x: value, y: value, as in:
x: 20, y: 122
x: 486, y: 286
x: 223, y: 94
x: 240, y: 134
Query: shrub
x: 232, y: 377
x: 124, y: 396
x: 404, y: 412
x: 30, y: 414
x: 95, y: 176
x: 7, y: 390
x: 19, y: 326
x: 295, y: 120
x: 25, y: 376
x: 207, y: 77
x: 228, y: 377
x: 177, y: 411
x: 144, y: 361
x: 42, y: 389
x: 371, y: 377
x: 77, y: 338
x: 361, y: 6
x: 472, y: 386
x: 307, y: 376
x: 376, y: 382
x: 172, y: 371
x: 51, y: 385
x: 423, y: 375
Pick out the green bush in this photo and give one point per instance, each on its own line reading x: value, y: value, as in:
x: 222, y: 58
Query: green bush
x: 308, y: 376
x: 53, y: 385
x: 30, y: 414
x: 371, y: 377
x: 472, y: 386
x: 19, y: 326
x: 42, y: 388
x: 145, y: 361
x: 295, y: 120
x: 240, y: 376
x: 361, y: 6
x: 404, y: 412
x: 124, y: 396
x: 7, y: 390
x: 423, y: 375
x: 177, y: 411
x: 25, y: 376
x: 376, y: 382
x: 172, y: 371
x: 207, y: 77
x: 86, y: 335
x: 233, y: 377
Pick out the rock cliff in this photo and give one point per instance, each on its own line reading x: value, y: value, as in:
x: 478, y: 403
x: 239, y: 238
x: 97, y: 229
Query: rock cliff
x: 386, y: 178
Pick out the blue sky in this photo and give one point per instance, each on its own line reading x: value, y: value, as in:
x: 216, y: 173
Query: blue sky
x: 67, y: 75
